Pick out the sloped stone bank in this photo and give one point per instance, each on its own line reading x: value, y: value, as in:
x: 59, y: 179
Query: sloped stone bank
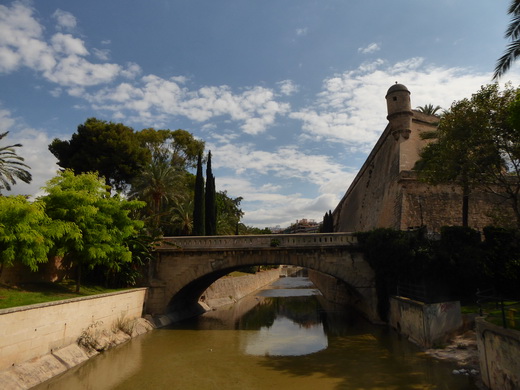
x: 40, y: 341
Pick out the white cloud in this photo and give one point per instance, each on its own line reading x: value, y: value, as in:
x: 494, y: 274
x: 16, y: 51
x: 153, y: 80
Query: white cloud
x: 61, y: 59
x: 301, y: 31
x: 371, y: 48
x: 101, y: 54
x: 255, y: 109
x: 273, y: 202
x: 351, y: 107
x: 65, y: 20
x: 287, y: 87
x: 68, y: 45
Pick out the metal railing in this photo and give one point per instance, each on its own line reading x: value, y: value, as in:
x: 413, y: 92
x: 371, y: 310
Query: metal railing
x: 498, y: 310
x: 422, y: 291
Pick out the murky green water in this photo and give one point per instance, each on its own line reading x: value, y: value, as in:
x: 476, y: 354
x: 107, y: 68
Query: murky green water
x: 282, y: 338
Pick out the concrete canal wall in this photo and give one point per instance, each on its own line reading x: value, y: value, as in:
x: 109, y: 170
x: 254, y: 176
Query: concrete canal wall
x: 231, y: 289
x: 425, y: 324
x: 29, y: 332
x: 499, y: 355
x: 338, y: 292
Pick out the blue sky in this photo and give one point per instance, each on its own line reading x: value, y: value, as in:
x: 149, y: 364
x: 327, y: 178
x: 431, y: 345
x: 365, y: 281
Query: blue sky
x: 288, y: 95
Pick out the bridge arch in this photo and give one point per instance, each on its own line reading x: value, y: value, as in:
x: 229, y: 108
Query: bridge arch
x: 187, y: 266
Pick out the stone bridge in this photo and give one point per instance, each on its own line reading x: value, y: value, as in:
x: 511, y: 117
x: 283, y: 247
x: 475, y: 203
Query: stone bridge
x: 186, y: 266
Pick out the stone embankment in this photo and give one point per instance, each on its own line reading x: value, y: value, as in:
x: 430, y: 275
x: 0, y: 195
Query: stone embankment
x: 92, y: 341
x: 231, y: 289
x: 41, y: 341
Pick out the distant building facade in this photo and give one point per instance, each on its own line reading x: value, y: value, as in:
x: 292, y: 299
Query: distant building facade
x: 303, y: 226
x: 386, y: 192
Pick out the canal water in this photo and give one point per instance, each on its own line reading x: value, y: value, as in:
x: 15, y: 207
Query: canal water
x: 285, y: 336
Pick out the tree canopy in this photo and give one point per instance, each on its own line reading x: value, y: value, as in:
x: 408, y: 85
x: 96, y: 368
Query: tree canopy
x: 111, y: 149
x: 477, y: 143
x: 27, y: 234
x: 103, y: 223
x: 178, y: 147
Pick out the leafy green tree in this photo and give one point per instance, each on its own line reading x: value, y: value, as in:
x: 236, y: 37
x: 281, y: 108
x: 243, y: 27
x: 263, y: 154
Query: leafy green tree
x: 111, y: 149
x: 179, y: 147
x: 104, y: 225
x: 513, y: 33
x: 12, y: 166
x: 229, y: 214
x: 210, y: 206
x: 506, y: 176
x: 198, y: 204
x: 464, y: 148
x: 27, y: 234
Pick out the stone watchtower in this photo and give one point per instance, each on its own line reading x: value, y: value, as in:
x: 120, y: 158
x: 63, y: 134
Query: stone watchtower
x: 386, y: 192
x: 400, y: 117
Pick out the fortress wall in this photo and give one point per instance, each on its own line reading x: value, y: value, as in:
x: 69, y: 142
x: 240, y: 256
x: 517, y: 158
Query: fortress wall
x: 372, y: 199
x: 438, y: 206
x: 387, y: 194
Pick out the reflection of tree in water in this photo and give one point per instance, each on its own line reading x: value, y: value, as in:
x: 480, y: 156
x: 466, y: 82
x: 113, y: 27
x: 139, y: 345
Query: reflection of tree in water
x: 365, y: 356
x: 304, y: 311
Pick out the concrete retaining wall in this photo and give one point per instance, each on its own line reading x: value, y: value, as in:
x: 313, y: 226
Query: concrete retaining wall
x: 338, y: 292
x: 230, y: 289
x: 425, y: 324
x: 32, y: 331
x: 499, y: 355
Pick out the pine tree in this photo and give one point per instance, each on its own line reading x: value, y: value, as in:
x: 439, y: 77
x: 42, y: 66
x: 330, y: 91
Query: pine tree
x: 210, y: 200
x: 198, y: 206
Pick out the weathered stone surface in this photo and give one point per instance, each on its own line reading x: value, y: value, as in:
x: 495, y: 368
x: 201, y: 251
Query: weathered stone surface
x: 29, y: 374
x: 192, y: 264
x: 425, y: 324
x: 36, y: 330
x: 71, y: 355
x: 141, y: 326
x: 231, y: 289
x: 499, y: 351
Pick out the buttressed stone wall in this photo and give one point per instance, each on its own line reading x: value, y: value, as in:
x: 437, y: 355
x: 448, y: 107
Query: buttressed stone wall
x: 386, y: 192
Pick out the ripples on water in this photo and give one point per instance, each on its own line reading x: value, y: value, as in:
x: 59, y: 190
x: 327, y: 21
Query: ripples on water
x: 284, y: 337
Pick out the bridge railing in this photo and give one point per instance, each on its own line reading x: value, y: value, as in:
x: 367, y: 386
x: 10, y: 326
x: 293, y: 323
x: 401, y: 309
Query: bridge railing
x: 259, y: 241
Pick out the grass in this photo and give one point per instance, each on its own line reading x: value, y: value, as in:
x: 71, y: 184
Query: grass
x: 32, y: 293
x: 493, y: 313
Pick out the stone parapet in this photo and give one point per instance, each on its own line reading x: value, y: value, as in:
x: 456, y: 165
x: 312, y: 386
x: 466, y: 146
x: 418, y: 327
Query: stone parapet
x: 258, y: 241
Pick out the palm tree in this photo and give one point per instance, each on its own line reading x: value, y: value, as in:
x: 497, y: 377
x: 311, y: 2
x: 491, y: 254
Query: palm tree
x: 12, y: 166
x: 429, y: 109
x: 182, y: 217
x: 156, y: 185
x: 513, y: 49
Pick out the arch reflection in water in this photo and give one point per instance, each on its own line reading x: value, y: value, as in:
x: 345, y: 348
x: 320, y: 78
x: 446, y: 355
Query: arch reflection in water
x: 294, y: 326
x: 286, y: 338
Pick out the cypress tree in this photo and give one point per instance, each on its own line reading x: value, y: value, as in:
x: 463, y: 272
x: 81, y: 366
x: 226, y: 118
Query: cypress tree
x: 198, y: 204
x: 330, y: 222
x: 210, y: 200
